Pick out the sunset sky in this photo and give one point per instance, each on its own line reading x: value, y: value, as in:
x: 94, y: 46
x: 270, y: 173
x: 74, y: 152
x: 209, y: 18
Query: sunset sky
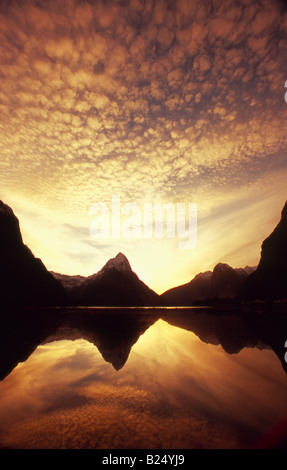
x: 169, y: 101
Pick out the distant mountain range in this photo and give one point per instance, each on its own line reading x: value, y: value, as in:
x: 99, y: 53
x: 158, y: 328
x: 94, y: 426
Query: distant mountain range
x: 223, y: 283
x: 24, y: 280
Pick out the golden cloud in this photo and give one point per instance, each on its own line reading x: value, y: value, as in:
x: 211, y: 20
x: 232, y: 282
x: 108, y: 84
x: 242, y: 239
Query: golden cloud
x: 97, y: 97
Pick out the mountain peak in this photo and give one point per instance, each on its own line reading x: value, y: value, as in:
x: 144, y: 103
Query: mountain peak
x: 269, y: 280
x: 120, y: 262
x: 23, y: 278
x: 10, y: 235
x: 284, y: 211
x: 4, y: 209
x: 222, y: 267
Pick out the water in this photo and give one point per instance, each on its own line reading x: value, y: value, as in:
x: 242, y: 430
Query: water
x: 141, y: 379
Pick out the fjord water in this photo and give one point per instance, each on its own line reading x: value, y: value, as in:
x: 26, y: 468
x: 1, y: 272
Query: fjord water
x: 141, y: 379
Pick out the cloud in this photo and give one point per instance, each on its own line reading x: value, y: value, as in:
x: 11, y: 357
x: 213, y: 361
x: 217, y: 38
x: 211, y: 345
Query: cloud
x: 141, y: 98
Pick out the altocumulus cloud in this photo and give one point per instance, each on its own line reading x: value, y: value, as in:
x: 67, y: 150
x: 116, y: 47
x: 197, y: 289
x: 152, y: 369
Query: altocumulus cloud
x: 135, y: 98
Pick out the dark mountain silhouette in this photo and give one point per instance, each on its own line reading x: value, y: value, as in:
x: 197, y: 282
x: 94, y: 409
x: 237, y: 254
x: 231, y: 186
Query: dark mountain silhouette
x: 269, y: 281
x: 69, y: 283
x: 114, y: 285
x: 223, y: 283
x: 24, y: 280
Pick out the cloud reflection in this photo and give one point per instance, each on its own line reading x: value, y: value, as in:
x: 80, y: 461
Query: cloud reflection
x: 165, y: 397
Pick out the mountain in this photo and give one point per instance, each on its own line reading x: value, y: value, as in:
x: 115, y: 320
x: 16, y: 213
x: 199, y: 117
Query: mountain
x: 269, y: 281
x: 69, y: 283
x: 223, y: 282
x: 114, y: 285
x: 24, y: 280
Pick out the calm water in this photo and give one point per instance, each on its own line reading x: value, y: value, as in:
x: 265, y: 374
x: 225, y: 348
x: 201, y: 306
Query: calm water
x: 141, y: 379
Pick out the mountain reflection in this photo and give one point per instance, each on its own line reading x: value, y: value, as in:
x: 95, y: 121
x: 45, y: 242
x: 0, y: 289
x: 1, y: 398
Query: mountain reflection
x: 115, y: 331
x: 234, y: 330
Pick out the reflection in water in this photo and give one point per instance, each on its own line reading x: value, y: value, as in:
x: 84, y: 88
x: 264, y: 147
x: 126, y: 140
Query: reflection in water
x: 169, y: 379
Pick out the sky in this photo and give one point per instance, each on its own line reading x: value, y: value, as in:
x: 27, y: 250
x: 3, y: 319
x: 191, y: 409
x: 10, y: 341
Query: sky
x: 155, y: 101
